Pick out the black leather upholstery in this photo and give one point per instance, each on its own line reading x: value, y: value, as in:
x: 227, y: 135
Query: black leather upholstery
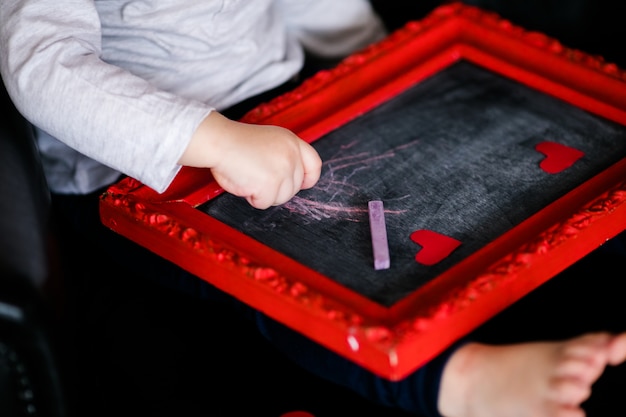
x: 30, y: 382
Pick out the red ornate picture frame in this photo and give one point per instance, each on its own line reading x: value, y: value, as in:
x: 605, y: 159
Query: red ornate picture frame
x: 394, y: 340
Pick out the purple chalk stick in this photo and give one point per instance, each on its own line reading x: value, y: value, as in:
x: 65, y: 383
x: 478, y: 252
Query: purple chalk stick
x: 379, y: 234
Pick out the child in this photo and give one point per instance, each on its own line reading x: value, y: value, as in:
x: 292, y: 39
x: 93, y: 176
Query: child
x: 139, y: 87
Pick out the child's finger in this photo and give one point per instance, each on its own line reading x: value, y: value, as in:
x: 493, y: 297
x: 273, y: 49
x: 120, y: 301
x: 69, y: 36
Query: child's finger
x: 312, y: 164
x: 617, y: 349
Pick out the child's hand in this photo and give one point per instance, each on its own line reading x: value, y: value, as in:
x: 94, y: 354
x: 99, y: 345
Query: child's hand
x: 267, y: 165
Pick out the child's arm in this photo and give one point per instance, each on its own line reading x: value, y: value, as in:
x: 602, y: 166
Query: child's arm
x: 58, y: 78
x: 267, y: 165
x: 51, y: 63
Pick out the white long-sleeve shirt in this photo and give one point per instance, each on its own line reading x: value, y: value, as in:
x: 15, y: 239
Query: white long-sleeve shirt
x: 120, y: 86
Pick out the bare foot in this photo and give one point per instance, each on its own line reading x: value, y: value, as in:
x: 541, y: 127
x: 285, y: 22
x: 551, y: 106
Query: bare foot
x: 550, y: 379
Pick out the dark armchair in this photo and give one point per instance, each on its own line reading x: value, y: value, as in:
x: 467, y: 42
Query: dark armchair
x: 30, y: 379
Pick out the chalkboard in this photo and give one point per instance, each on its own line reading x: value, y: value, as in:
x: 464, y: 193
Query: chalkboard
x: 454, y: 154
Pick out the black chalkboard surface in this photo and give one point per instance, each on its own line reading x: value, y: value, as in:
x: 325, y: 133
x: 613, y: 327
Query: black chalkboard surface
x: 454, y: 154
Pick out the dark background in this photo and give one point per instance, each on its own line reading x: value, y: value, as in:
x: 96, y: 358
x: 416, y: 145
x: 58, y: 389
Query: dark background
x: 142, y: 350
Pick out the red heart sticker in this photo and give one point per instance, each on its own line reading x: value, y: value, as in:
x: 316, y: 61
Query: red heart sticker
x: 558, y: 156
x: 435, y: 246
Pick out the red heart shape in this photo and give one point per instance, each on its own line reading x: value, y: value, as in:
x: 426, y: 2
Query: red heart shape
x: 435, y: 246
x: 558, y: 156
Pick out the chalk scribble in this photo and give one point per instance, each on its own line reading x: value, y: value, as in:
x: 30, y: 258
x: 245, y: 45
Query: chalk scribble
x: 335, y: 186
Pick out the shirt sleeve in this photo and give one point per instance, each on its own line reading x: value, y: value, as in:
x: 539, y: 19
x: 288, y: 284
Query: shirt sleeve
x: 333, y: 28
x: 50, y: 61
